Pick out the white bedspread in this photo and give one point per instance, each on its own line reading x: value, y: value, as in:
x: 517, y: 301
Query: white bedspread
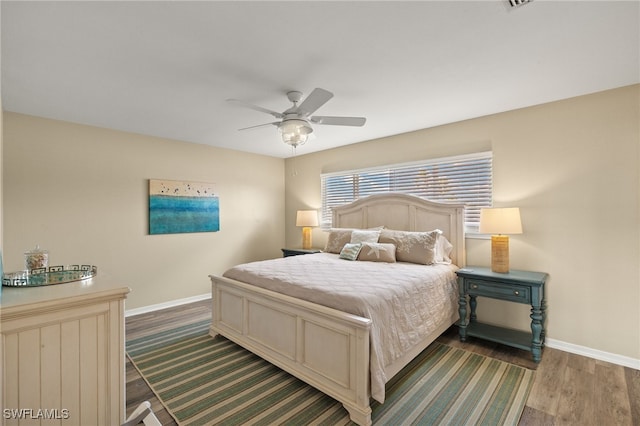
x: 405, y: 301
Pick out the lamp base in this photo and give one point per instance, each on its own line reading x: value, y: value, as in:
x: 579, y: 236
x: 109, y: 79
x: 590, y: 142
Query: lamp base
x: 306, y: 237
x: 500, y: 253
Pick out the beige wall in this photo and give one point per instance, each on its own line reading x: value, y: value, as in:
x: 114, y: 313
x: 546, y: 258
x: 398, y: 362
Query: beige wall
x: 1, y: 176
x: 1, y: 208
x: 572, y: 167
x: 82, y: 193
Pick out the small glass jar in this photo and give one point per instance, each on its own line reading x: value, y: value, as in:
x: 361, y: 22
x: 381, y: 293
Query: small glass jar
x: 36, y: 258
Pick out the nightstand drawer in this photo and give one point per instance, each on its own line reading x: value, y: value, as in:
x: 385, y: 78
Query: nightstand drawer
x: 499, y: 291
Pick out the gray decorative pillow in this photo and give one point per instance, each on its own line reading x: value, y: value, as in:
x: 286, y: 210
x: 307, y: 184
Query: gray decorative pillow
x: 338, y: 237
x: 378, y: 252
x: 350, y: 251
x: 413, y: 247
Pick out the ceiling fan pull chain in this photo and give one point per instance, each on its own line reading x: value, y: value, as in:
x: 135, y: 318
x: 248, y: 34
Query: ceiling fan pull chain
x: 294, y: 172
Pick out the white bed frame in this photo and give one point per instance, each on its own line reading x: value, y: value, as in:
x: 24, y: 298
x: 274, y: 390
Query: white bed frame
x: 324, y: 347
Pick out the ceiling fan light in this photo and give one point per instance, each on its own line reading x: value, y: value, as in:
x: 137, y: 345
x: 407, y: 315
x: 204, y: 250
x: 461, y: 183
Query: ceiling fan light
x: 294, y: 140
x: 295, y: 132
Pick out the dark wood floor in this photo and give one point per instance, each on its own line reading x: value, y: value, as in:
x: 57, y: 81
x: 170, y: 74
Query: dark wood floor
x: 568, y: 389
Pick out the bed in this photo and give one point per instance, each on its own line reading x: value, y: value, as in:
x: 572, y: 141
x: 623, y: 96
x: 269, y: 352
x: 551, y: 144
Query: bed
x: 334, y: 345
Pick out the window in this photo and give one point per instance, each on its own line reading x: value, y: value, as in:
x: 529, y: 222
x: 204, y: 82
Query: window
x: 463, y: 179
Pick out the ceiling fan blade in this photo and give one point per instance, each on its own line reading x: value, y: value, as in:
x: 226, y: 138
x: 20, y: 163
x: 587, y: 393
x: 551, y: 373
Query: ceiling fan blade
x: 315, y: 100
x: 339, y: 121
x: 275, y: 123
x: 255, y: 107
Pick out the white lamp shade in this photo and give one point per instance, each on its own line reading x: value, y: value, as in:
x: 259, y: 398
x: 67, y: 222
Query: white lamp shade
x: 500, y: 221
x: 307, y: 218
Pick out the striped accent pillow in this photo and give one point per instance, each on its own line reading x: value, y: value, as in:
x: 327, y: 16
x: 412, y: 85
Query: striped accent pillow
x: 350, y: 251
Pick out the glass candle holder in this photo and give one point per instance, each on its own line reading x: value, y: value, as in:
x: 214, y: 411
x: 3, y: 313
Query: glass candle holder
x: 36, y: 258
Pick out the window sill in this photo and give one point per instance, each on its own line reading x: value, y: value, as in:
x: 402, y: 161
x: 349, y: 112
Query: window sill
x: 477, y: 236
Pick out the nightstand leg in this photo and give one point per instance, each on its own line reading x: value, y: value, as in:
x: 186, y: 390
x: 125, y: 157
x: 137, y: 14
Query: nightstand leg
x: 544, y: 321
x: 536, y: 329
x: 462, y: 311
x: 473, y: 303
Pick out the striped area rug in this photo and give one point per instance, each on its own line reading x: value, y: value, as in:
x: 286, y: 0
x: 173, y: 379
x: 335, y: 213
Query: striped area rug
x: 205, y: 381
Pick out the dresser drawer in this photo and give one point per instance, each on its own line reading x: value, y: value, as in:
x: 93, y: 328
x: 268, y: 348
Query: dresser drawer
x: 502, y: 291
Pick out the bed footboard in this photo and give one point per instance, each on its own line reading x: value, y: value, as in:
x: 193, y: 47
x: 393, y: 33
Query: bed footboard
x: 324, y: 347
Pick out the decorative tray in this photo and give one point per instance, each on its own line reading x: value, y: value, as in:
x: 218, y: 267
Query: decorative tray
x: 49, y: 275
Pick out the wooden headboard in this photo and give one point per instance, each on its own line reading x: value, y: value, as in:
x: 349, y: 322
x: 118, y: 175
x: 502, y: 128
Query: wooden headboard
x: 406, y: 213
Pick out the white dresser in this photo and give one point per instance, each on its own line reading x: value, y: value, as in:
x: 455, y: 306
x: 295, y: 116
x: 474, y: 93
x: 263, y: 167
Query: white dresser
x: 63, y: 353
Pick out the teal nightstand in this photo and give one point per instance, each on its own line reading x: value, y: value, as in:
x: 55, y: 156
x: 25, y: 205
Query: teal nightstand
x: 296, y: 252
x: 515, y: 286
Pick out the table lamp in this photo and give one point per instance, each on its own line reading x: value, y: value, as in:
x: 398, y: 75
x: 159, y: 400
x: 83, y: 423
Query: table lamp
x: 306, y: 219
x: 498, y: 222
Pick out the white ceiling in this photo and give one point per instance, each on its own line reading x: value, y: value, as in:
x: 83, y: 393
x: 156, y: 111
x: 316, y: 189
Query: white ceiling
x: 166, y: 68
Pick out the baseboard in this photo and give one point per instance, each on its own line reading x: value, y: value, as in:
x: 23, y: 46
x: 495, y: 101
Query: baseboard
x: 164, y: 305
x: 593, y: 353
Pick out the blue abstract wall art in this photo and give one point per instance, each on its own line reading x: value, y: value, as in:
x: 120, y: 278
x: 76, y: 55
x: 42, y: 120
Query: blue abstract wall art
x: 182, y: 207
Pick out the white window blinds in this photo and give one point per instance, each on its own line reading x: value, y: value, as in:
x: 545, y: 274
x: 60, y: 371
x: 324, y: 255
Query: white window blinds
x: 461, y: 180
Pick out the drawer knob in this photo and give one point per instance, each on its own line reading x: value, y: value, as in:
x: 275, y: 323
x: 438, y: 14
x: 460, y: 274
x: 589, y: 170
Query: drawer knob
x: 474, y: 285
x: 517, y: 293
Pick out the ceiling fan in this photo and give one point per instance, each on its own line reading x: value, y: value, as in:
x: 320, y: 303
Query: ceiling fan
x: 295, y: 122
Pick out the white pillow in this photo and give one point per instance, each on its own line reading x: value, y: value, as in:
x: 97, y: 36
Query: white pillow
x: 443, y: 250
x: 338, y: 237
x: 364, y: 236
